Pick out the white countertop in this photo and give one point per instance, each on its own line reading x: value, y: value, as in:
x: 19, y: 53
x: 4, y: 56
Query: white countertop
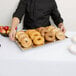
x: 50, y: 52
x: 48, y: 60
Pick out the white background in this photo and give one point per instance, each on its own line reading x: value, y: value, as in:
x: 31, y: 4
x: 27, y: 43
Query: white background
x: 67, y: 9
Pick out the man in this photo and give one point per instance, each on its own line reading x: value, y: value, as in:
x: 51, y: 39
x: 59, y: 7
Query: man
x: 37, y: 13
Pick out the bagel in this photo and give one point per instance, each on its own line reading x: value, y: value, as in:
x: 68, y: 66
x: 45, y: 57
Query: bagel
x: 26, y: 42
x: 55, y: 30
x: 43, y: 32
x: 30, y: 31
x: 22, y: 36
x: 40, y: 29
x: 33, y: 34
x: 18, y: 33
x: 60, y: 35
x: 38, y: 40
x: 50, y: 36
x: 24, y: 39
x: 49, y: 28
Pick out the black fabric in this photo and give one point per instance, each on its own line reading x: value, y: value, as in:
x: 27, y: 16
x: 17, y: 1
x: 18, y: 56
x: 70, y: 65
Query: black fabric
x: 37, y: 13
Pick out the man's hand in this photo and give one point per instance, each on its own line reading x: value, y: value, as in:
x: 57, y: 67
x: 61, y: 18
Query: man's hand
x: 15, y: 22
x: 61, y: 26
x: 12, y: 34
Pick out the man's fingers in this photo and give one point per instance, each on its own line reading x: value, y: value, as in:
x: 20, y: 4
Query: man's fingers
x: 14, y: 37
x: 11, y: 37
x: 61, y: 26
x: 63, y: 29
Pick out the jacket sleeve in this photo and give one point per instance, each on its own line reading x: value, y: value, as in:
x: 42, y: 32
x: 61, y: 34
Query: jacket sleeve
x: 20, y: 11
x: 55, y: 14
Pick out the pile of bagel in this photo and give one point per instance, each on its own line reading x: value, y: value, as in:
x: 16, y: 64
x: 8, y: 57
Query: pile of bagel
x: 39, y: 36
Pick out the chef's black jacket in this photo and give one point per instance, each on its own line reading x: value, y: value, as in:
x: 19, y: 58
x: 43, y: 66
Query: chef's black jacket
x: 37, y: 12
